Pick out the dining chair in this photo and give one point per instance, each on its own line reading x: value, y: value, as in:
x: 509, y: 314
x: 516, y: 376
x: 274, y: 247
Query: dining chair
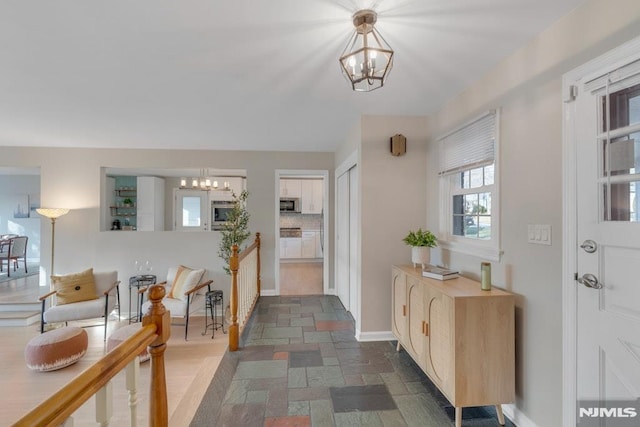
x: 4, y: 241
x: 5, y: 250
x: 18, y: 250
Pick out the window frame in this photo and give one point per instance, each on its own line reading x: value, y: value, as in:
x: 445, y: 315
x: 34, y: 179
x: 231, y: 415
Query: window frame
x: 487, y: 249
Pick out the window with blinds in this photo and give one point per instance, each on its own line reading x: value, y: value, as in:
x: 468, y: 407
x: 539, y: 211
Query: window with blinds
x: 468, y: 177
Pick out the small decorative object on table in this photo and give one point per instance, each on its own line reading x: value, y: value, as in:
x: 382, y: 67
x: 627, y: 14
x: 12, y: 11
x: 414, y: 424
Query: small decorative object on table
x: 421, y: 243
x: 485, y: 276
x: 440, y: 273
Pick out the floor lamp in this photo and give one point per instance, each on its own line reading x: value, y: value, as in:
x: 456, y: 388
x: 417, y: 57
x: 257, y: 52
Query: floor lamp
x: 52, y: 214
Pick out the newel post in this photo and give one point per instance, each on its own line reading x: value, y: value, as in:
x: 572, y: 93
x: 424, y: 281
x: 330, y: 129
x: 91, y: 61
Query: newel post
x: 258, y: 254
x: 159, y: 316
x: 234, y: 328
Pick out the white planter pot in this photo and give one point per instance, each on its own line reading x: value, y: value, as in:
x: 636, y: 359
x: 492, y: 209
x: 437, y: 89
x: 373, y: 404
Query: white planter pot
x: 420, y: 255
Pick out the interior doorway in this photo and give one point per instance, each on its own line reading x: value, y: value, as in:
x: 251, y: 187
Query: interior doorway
x: 19, y: 199
x: 301, y: 240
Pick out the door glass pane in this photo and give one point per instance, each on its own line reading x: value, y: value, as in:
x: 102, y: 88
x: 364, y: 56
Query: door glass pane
x: 624, y: 203
x: 191, y: 211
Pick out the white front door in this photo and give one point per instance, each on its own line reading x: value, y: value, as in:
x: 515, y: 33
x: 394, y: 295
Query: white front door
x: 606, y: 128
x: 191, y: 210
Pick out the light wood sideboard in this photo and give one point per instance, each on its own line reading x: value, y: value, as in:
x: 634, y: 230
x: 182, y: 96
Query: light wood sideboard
x: 462, y: 337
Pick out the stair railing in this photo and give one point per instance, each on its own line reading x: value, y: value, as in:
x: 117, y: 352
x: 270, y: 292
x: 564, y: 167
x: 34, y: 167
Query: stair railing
x: 96, y: 379
x: 245, y: 288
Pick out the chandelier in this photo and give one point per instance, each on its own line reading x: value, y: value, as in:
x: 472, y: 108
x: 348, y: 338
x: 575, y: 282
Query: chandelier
x: 368, y: 58
x: 203, y: 182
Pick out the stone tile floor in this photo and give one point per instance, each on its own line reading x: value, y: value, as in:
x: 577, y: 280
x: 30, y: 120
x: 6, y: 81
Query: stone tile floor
x: 300, y: 365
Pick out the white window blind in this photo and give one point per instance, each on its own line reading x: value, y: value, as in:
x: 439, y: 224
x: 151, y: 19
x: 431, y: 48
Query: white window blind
x: 617, y: 79
x: 470, y: 146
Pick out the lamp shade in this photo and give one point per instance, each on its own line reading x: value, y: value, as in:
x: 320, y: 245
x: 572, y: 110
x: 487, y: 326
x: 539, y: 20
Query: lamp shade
x: 52, y: 213
x: 367, y: 59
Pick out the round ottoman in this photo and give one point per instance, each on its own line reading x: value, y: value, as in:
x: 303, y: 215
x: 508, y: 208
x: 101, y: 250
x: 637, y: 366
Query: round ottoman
x: 120, y: 335
x: 56, y: 349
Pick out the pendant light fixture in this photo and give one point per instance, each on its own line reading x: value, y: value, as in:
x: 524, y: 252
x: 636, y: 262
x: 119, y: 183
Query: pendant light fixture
x: 367, y: 59
x: 203, y: 182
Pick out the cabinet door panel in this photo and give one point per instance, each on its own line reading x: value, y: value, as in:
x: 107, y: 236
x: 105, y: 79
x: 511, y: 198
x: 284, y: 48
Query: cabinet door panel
x: 290, y: 188
x: 308, y: 245
x: 440, y: 344
x: 399, y: 296
x: 415, y: 298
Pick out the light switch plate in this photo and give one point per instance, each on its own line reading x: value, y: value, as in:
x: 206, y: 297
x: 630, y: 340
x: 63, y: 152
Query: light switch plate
x: 539, y: 234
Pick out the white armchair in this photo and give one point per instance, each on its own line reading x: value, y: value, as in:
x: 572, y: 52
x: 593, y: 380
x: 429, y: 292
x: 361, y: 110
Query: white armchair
x: 180, y: 303
x: 104, y: 299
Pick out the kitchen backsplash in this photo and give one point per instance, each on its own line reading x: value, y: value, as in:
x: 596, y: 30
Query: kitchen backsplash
x: 305, y: 222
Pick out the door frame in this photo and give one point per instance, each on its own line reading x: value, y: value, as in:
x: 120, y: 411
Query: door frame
x: 301, y: 173
x: 611, y: 60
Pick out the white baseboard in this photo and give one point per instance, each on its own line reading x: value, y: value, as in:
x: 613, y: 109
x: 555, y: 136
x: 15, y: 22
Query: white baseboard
x: 375, y: 336
x: 268, y: 293
x: 512, y: 412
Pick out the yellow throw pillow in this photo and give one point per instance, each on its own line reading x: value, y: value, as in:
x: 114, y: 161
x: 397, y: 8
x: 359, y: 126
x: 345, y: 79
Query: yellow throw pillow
x: 177, y: 287
x: 74, y: 287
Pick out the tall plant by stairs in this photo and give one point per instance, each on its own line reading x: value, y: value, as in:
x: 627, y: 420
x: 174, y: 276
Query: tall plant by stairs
x: 236, y: 229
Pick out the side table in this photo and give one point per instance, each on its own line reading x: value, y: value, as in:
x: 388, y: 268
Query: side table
x: 213, y: 299
x: 137, y: 282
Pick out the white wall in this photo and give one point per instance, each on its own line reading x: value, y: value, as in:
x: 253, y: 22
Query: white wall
x: 350, y: 144
x: 71, y: 179
x: 14, y: 189
x: 393, y: 201
x: 527, y: 86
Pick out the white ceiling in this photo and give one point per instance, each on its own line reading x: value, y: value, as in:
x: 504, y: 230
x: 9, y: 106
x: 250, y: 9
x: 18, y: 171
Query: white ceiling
x: 236, y: 74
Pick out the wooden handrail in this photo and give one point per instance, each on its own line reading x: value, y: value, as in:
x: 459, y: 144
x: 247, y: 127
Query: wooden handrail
x: 234, y: 328
x: 160, y: 317
x: 154, y: 333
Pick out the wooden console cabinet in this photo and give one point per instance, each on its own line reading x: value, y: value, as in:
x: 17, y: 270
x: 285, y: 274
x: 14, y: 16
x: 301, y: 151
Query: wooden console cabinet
x: 462, y: 337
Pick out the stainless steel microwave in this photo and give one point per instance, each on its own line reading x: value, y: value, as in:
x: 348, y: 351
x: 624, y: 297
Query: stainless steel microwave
x: 289, y: 205
x: 219, y: 211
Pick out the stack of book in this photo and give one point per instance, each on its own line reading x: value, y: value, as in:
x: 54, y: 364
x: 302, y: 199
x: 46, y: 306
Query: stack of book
x: 440, y: 273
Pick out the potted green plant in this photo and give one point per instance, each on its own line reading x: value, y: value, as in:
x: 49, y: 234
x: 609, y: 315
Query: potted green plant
x: 127, y: 202
x: 236, y: 228
x: 421, y: 242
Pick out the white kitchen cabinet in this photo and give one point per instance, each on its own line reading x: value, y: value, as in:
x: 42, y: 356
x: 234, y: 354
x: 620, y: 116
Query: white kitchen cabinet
x: 150, y: 203
x: 309, y: 244
x: 290, y: 247
x: 290, y: 188
x: 311, y: 196
x: 462, y: 337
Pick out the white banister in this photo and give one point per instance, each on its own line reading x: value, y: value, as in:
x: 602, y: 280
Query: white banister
x: 104, y: 404
x: 132, y: 373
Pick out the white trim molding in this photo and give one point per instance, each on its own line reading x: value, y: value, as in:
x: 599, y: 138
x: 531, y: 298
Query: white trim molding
x: 375, y: 336
x: 516, y: 416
